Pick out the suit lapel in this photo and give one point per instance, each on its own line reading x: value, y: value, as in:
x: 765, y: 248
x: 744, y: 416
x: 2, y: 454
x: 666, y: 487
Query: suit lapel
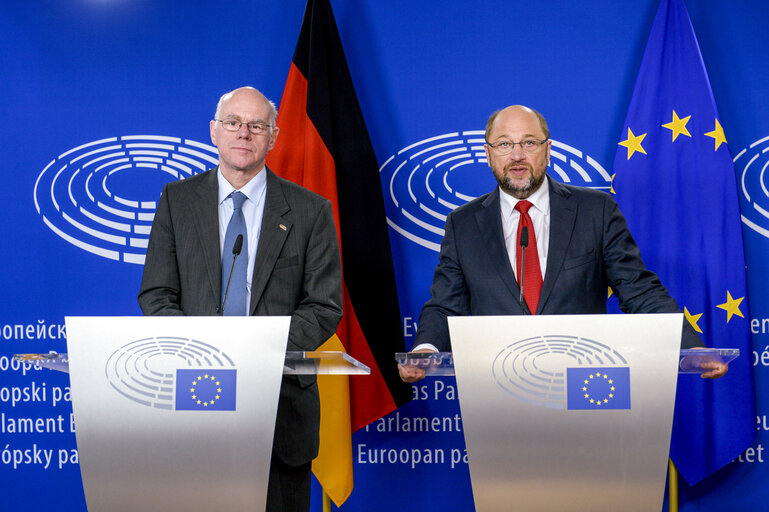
x: 206, y: 218
x: 489, y: 220
x: 273, y: 235
x: 563, y: 214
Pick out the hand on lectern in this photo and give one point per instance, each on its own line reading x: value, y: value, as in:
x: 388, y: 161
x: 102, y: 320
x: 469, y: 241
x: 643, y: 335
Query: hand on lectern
x: 410, y: 373
x: 717, y: 369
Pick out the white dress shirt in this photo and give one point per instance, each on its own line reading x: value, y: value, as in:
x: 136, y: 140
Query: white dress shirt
x: 540, y: 217
x: 253, y: 212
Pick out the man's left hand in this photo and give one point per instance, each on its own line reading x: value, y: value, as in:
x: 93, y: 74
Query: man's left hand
x: 716, y: 369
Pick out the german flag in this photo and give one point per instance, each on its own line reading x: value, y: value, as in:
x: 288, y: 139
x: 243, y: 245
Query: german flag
x: 324, y: 146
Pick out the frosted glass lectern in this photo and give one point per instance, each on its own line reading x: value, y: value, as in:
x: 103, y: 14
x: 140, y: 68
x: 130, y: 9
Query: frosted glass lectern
x: 567, y: 412
x: 178, y: 413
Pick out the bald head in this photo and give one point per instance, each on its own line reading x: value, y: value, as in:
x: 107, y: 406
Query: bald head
x: 517, y: 110
x: 247, y: 91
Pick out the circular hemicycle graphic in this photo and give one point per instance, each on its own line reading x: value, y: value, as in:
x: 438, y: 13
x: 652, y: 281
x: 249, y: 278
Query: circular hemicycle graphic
x: 102, y: 196
x: 751, y: 165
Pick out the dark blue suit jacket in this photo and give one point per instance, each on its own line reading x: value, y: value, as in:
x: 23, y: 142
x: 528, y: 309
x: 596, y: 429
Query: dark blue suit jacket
x: 591, y: 249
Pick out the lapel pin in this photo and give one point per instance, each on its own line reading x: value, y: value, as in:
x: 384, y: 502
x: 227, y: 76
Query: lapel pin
x: 282, y: 227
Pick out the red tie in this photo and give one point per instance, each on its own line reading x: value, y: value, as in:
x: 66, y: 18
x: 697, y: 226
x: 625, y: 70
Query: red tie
x: 532, y: 277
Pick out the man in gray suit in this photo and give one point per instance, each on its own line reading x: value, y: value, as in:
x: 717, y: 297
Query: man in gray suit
x: 293, y: 267
x: 578, y: 246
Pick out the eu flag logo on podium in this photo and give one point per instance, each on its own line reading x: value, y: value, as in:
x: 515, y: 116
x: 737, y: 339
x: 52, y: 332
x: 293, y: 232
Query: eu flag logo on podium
x: 200, y: 389
x: 597, y: 388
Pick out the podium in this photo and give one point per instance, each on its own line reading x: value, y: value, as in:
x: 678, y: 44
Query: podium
x: 566, y: 412
x: 178, y: 413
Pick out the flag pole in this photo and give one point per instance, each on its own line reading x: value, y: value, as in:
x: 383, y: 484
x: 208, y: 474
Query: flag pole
x: 672, y: 487
x: 326, y: 502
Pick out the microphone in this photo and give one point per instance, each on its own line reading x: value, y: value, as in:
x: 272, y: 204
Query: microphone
x: 524, y: 244
x: 236, y: 248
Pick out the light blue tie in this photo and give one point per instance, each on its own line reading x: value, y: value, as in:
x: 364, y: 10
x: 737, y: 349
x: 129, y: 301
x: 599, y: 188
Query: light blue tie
x: 236, y: 297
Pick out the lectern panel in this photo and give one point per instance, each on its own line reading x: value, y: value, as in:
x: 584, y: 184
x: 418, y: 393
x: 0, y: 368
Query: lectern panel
x: 567, y: 412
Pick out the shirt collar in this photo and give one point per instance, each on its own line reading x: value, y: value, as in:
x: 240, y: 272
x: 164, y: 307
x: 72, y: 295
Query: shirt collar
x: 539, y: 199
x: 252, y: 190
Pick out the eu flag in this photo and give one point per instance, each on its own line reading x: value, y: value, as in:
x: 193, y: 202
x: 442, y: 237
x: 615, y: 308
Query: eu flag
x: 200, y: 389
x: 675, y: 182
x: 598, y: 388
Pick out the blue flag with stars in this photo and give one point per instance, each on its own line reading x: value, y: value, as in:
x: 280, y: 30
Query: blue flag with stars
x: 597, y: 388
x: 205, y: 389
x: 675, y: 182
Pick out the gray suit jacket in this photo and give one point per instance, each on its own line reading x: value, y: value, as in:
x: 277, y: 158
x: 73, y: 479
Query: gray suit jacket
x: 590, y: 249
x: 297, y: 273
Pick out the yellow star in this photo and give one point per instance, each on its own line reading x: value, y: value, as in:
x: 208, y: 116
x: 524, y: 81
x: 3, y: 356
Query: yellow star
x: 633, y: 143
x: 610, y: 292
x: 693, y: 319
x: 731, y: 306
x: 605, y: 401
x: 717, y: 134
x: 611, y: 189
x: 194, y: 397
x: 678, y: 126
x: 611, y: 395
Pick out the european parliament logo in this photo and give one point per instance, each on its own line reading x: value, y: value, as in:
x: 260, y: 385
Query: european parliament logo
x: 101, y: 196
x: 564, y: 372
x: 205, y: 390
x: 173, y: 373
x: 598, y: 388
x: 430, y: 178
x: 751, y: 164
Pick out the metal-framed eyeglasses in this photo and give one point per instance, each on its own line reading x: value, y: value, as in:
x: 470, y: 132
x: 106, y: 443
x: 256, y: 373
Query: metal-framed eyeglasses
x: 233, y: 125
x: 505, y: 147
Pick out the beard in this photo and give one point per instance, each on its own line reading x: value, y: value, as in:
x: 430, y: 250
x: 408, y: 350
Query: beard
x: 517, y: 189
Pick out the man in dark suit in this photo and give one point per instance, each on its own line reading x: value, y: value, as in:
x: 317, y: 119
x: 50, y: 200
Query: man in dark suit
x: 293, y: 267
x: 578, y: 246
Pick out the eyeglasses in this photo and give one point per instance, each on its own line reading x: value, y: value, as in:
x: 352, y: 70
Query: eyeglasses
x: 233, y: 125
x: 505, y: 147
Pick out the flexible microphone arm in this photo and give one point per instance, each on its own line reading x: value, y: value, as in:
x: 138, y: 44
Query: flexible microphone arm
x: 524, y: 244
x: 236, y: 248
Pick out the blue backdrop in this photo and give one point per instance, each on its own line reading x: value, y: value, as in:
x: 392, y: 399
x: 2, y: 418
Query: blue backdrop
x: 104, y: 80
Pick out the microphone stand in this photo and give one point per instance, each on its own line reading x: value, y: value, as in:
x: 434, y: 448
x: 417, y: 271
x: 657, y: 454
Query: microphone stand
x: 524, y: 244
x: 236, y: 248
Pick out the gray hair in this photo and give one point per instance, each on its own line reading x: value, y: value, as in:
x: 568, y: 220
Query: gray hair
x: 271, y: 117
